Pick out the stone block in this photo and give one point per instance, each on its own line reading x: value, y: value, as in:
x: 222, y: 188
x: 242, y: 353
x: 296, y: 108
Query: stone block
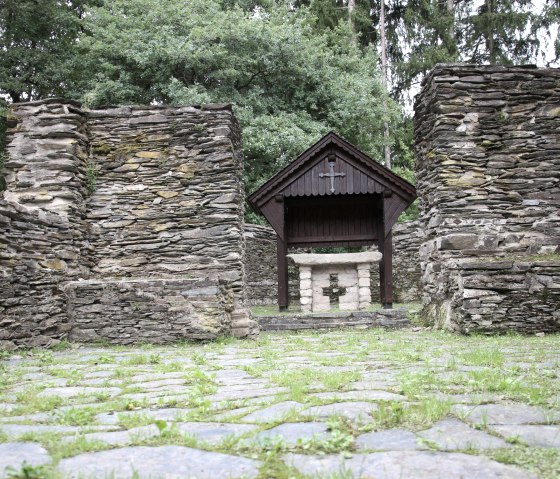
x: 349, y: 306
x: 304, y: 272
x: 364, y: 282
x: 365, y: 294
x: 458, y: 241
x: 321, y: 307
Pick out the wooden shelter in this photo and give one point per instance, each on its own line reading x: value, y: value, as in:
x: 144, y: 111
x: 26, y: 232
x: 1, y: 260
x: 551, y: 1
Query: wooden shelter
x: 333, y: 195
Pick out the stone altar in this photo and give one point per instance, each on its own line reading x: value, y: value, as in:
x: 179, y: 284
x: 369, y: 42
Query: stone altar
x: 328, y: 279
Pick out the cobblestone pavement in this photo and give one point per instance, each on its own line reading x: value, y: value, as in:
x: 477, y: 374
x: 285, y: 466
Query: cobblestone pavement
x: 341, y: 404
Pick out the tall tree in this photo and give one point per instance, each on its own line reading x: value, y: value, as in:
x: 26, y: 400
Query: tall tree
x: 386, y: 147
x: 549, y: 24
x: 501, y: 32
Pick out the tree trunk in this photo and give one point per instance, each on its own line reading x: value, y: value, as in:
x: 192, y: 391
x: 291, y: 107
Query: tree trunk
x: 351, y: 7
x: 451, y: 13
x: 490, y: 32
x: 387, y: 148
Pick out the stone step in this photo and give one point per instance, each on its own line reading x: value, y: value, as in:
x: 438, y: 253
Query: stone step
x: 380, y: 318
x: 329, y: 325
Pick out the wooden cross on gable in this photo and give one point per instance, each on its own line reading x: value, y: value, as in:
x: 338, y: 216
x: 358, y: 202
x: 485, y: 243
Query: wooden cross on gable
x: 331, y: 174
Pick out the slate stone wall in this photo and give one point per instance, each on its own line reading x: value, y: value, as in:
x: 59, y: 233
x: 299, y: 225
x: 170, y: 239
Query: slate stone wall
x: 149, y: 310
x: 42, y: 227
x: 488, y: 177
x: 407, y: 237
x: 506, y: 294
x: 262, y: 273
x: 260, y: 265
x: 168, y: 198
x: 39, y: 251
x: 148, y: 196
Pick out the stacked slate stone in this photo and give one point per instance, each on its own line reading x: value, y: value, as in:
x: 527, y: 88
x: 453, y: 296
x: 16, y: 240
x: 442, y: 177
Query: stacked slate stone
x: 42, y: 229
x: 141, y: 214
x: 38, y: 251
x: 407, y: 237
x: 168, y: 196
x: 262, y: 276
x: 260, y: 265
x: 168, y: 202
x: 488, y: 175
x: 155, y: 310
x: 46, y: 166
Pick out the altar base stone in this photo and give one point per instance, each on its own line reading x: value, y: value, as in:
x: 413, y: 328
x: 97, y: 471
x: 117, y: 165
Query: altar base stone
x: 352, y: 274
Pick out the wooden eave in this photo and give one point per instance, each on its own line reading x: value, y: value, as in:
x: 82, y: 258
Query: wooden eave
x: 308, y: 158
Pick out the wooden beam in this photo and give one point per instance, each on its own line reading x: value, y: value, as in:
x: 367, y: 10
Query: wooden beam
x: 281, y: 252
x: 329, y: 239
x: 282, y: 260
x: 386, y: 271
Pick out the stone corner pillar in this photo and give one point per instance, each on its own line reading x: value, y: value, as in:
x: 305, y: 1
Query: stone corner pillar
x: 364, y: 291
x: 305, y: 288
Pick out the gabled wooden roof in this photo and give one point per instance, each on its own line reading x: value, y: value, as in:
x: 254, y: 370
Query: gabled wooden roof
x: 362, y: 175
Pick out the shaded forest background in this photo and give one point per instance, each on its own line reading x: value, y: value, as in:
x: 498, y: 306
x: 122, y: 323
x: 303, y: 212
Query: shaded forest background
x: 293, y: 70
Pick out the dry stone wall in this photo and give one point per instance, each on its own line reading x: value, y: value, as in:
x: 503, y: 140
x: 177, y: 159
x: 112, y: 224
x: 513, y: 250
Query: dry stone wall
x: 488, y: 175
x: 260, y: 265
x: 146, y: 197
x: 42, y: 227
x: 151, y: 310
x: 168, y: 198
x: 262, y: 270
x: 38, y: 252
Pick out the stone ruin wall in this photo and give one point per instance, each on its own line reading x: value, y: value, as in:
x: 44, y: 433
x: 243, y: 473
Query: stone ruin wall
x: 262, y: 280
x: 488, y: 177
x: 123, y: 224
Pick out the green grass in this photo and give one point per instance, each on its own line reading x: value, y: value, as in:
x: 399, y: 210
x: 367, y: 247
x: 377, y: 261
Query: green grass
x: 75, y: 416
x: 483, y: 357
x: 544, y: 462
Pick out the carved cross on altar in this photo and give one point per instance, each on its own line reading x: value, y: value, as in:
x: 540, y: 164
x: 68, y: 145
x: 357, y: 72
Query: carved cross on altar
x: 334, y: 291
x: 331, y: 174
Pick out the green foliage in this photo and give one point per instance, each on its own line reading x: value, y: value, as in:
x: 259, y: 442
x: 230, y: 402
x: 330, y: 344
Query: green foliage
x: 423, y: 33
x: 545, y: 462
x: 92, y: 171
x: 26, y: 471
x: 36, y: 46
x: 75, y: 416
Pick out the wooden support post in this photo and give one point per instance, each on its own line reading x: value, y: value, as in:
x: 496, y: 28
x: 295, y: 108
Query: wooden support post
x: 386, y: 270
x: 281, y: 252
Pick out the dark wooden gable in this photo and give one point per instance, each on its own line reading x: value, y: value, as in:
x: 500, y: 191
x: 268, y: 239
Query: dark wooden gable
x: 362, y: 176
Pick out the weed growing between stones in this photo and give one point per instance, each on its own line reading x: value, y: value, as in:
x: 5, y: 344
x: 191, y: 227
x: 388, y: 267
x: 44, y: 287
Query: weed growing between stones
x: 544, y: 462
x: 92, y: 172
x: 75, y: 416
x: 27, y: 471
x: 483, y: 357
